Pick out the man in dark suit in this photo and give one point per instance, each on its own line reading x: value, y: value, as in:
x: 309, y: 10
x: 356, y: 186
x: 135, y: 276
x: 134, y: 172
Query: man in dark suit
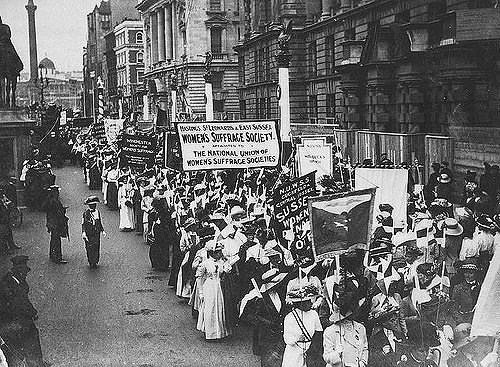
x: 57, y: 224
x: 18, y: 315
x: 91, y: 230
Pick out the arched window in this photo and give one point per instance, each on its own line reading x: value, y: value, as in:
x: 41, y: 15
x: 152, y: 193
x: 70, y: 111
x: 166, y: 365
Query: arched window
x: 140, y: 57
x: 138, y: 37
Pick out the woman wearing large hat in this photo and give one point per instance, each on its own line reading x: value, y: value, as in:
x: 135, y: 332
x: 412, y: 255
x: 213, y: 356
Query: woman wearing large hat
x: 465, y: 294
x: 91, y: 230
x: 444, y: 188
x: 300, y: 325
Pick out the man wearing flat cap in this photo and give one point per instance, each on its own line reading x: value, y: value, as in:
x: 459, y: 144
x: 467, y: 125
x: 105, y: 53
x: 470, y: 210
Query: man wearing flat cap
x: 18, y: 315
x: 57, y: 224
x: 91, y: 230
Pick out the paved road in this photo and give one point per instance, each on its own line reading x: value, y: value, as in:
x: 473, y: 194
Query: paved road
x: 83, y: 312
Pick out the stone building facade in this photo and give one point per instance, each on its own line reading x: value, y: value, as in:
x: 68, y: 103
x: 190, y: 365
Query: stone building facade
x: 129, y: 53
x: 178, y: 33
x: 100, y: 22
x: 387, y: 66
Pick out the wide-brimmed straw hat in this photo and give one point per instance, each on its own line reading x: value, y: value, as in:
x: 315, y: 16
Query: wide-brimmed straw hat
x: 92, y: 200
x: 444, y: 178
x: 306, y: 293
x: 271, y: 279
x: 453, y: 228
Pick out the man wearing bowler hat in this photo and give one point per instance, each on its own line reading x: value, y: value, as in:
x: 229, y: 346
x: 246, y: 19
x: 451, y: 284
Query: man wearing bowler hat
x: 18, y: 315
x: 92, y: 229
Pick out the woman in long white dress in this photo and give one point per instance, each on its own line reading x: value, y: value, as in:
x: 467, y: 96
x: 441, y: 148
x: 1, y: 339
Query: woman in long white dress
x: 125, y: 193
x: 211, y: 318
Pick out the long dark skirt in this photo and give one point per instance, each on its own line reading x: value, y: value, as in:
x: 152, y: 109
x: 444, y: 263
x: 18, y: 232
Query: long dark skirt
x: 55, y: 252
x: 159, y: 251
x: 176, y: 260
x: 230, y: 291
x: 93, y: 247
x: 112, y: 196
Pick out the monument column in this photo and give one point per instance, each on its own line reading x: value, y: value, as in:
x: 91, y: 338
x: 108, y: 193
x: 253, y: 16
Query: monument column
x: 31, y: 8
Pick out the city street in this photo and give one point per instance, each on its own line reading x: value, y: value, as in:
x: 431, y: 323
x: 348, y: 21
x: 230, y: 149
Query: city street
x: 120, y: 314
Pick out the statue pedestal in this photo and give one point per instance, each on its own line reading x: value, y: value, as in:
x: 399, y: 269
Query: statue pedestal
x: 15, y: 141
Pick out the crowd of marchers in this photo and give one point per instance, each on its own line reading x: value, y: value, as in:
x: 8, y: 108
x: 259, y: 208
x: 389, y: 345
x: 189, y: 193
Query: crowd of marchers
x: 407, y: 300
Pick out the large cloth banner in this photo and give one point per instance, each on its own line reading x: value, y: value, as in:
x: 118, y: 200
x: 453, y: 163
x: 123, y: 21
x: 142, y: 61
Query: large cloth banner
x: 172, y: 151
x: 391, y: 187
x: 228, y: 144
x: 486, y: 321
x: 98, y: 130
x: 112, y: 127
x: 315, y: 154
x: 291, y: 212
x: 138, y: 151
x: 340, y: 221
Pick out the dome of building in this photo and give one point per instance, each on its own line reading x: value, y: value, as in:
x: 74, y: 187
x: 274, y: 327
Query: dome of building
x: 47, y: 64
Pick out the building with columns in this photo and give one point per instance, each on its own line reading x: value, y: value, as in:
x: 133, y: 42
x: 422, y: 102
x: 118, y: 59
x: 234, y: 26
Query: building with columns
x: 178, y: 33
x: 382, y: 71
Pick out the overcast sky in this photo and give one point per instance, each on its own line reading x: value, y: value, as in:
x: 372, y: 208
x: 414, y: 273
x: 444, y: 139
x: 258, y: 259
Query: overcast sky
x: 61, y: 27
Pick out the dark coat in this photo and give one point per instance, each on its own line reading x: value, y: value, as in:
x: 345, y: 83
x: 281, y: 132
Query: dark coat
x: 464, y: 300
x: 14, y: 300
x: 57, y: 221
x: 376, y: 357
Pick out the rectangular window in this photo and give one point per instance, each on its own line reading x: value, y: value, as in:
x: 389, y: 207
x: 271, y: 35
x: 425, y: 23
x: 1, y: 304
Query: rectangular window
x: 256, y: 65
x: 350, y: 34
x: 313, y: 107
x: 241, y: 67
x: 330, y: 105
x: 215, y: 5
x: 261, y: 108
x: 330, y: 55
x: 217, y: 79
x: 243, y: 109
x: 267, y: 58
x: 312, y: 58
x: 218, y: 105
x: 216, y: 40
x: 260, y: 65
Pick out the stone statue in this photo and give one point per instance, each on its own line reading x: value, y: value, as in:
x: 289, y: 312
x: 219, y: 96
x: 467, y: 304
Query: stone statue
x: 284, y: 37
x: 283, y: 56
x: 10, y: 68
x: 208, y: 66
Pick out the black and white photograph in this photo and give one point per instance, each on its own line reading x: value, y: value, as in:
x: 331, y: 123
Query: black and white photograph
x: 257, y: 183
